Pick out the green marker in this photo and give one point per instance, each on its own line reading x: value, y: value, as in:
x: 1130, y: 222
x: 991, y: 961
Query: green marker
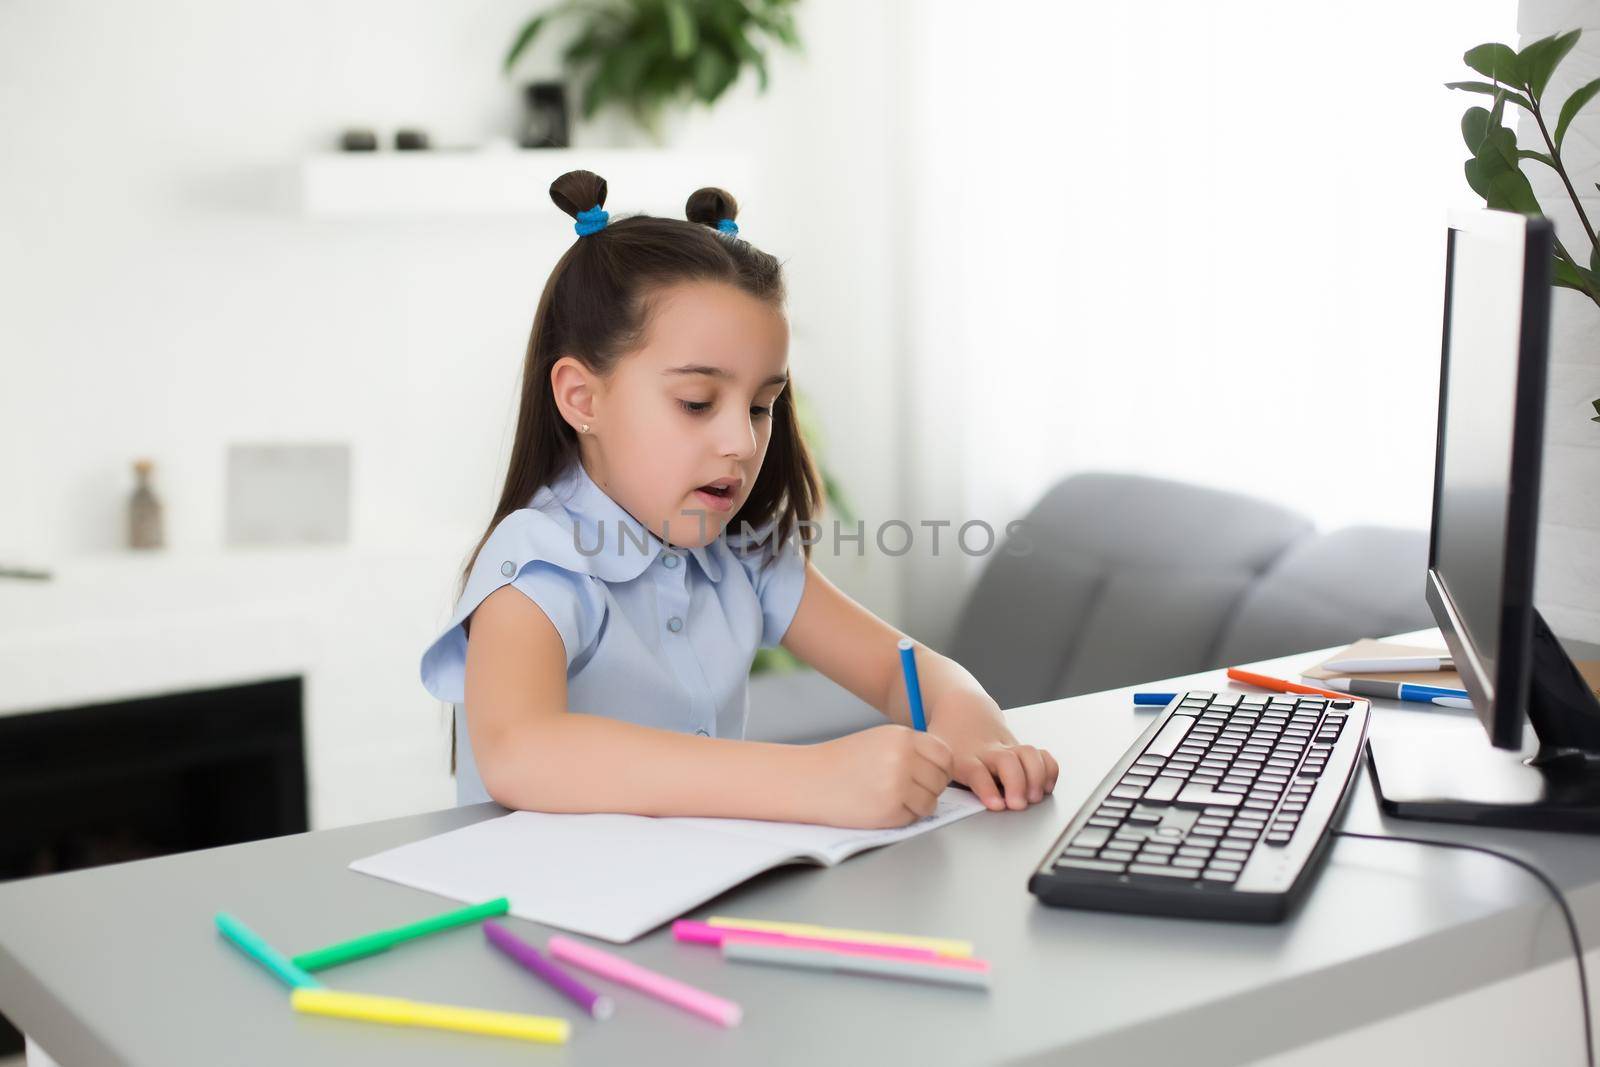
x: 383, y: 940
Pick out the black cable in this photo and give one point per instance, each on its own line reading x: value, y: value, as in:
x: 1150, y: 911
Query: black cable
x: 1555, y: 891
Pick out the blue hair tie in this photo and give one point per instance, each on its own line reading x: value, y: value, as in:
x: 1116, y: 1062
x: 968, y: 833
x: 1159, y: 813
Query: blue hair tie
x: 592, y: 221
x: 728, y: 226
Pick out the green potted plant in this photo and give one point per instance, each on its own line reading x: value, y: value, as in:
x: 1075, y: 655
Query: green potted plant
x: 1495, y: 169
x: 648, y: 55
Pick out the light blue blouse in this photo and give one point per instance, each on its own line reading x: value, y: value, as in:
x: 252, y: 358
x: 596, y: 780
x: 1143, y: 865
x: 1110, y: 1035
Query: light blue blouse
x: 655, y: 635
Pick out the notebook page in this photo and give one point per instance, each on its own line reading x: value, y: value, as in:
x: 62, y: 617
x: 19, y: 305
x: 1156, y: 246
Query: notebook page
x: 609, y: 876
x: 832, y: 843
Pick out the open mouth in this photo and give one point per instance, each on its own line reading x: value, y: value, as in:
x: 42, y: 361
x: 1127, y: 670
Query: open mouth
x: 718, y: 495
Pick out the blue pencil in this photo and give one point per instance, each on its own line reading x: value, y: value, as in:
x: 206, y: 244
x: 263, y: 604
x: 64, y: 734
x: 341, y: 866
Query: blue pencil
x: 908, y: 664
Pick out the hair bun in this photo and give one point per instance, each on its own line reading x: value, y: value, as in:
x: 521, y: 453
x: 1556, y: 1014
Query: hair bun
x: 579, y: 190
x: 710, y: 206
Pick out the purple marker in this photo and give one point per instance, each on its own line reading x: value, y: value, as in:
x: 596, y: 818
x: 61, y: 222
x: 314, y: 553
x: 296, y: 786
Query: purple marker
x: 596, y: 1004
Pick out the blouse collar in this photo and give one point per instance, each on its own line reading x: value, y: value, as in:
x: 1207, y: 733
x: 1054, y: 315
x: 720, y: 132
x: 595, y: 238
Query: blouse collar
x: 616, y: 546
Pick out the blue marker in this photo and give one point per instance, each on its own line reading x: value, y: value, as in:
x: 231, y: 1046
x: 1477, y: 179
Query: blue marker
x: 1158, y: 699
x: 908, y: 664
x: 1370, y: 687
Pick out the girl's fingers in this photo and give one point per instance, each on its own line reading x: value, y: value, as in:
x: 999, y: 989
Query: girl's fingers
x: 930, y: 777
x: 935, y: 750
x: 1008, y: 768
x: 976, y: 777
x: 1052, y: 771
x: 920, y: 800
x: 1033, y: 767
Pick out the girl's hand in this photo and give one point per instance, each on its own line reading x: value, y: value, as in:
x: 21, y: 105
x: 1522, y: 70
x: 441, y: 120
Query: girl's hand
x: 989, y: 761
x: 883, y: 777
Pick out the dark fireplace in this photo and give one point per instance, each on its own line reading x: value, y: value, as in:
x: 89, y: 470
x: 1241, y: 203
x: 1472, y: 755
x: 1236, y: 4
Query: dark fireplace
x: 114, y: 782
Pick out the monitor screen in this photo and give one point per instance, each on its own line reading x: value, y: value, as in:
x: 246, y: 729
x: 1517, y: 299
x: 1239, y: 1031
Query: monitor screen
x: 1487, y: 467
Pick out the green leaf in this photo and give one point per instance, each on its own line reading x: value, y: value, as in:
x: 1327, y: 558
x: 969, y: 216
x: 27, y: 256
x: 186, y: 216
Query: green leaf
x: 1493, y: 174
x: 1485, y: 87
x: 1497, y: 62
x: 1574, y: 104
x: 681, y: 29
x: 713, y: 73
x: 1597, y: 411
x: 1528, y: 153
x: 523, y: 40
x: 1475, y: 127
x: 1539, y: 60
x: 1569, y: 275
x: 1594, y: 259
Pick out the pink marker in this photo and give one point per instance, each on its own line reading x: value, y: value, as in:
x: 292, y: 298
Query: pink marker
x: 705, y: 934
x: 670, y: 990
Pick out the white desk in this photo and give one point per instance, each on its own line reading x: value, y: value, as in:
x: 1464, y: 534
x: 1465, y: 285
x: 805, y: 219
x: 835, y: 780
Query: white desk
x: 1398, y: 951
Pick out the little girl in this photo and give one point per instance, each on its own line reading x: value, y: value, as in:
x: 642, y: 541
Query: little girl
x: 645, y: 544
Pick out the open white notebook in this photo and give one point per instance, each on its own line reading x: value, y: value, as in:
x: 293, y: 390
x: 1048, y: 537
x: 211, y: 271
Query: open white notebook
x: 618, y: 876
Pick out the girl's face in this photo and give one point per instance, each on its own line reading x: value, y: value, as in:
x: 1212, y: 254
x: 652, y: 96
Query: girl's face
x: 679, y: 429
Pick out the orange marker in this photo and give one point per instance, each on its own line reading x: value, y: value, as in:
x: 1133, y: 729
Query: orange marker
x: 1266, y: 681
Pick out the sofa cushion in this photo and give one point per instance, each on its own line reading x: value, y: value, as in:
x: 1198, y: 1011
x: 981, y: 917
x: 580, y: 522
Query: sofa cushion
x: 1361, y: 581
x: 1127, y: 578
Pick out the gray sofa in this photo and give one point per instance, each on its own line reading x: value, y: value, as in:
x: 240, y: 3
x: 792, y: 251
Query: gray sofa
x: 1132, y: 579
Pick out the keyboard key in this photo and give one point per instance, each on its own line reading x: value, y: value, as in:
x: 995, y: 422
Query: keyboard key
x: 1158, y: 848
x: 1144, y: 817
x: 1076, y: 864
x: 1277, y: 840
x: 1235, y: 854
x: 1164, y: 789
x: 1080, y: 853
x: 1163, y: 872
x: 1112, y: 802
x: 1172, y: 734
x: 1150, y: 761
x: 1195, y: 794
x: 1219, y: 821
x: 1221, y: 876
x: 1117, y: 855
x: 1191, y: 862
x: 1093, y: 837
x: 1226, y: 865
x: 1139, y: 780
x: 1127, y: 792
x: 1195, y: 850
x: 1101, y: 820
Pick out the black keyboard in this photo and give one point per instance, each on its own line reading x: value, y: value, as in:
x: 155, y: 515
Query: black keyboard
x: 1220, y: 810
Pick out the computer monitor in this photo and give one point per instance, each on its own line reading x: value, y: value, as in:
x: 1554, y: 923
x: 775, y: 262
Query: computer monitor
x: 1480, y: 580
x: 1487, y: 463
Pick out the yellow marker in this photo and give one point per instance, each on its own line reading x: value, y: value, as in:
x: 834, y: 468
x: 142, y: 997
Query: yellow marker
x: 399, y: 1012
x: 942, y: 945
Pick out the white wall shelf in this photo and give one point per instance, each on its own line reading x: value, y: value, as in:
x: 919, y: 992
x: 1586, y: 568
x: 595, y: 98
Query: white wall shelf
x: 508, y: 181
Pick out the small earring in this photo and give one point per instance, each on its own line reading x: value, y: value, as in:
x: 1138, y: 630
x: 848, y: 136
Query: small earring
x: 584, y: 428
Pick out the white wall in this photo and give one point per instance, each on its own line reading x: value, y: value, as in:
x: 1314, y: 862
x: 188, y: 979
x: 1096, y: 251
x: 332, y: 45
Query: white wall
x: 164, y: 295
x: 1568, y: 586
x: 1199, y: 241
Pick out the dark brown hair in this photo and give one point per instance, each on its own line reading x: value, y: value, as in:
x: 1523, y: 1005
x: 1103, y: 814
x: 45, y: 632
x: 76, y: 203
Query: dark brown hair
x: 596, y: 307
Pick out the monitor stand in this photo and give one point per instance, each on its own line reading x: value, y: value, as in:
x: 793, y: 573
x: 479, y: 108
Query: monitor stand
x: 1458, y: 777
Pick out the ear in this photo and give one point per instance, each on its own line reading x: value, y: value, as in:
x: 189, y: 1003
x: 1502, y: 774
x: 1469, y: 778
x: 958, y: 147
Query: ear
x: 574, y: 387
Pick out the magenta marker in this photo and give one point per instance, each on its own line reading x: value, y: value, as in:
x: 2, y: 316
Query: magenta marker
x: 596, y: 1004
